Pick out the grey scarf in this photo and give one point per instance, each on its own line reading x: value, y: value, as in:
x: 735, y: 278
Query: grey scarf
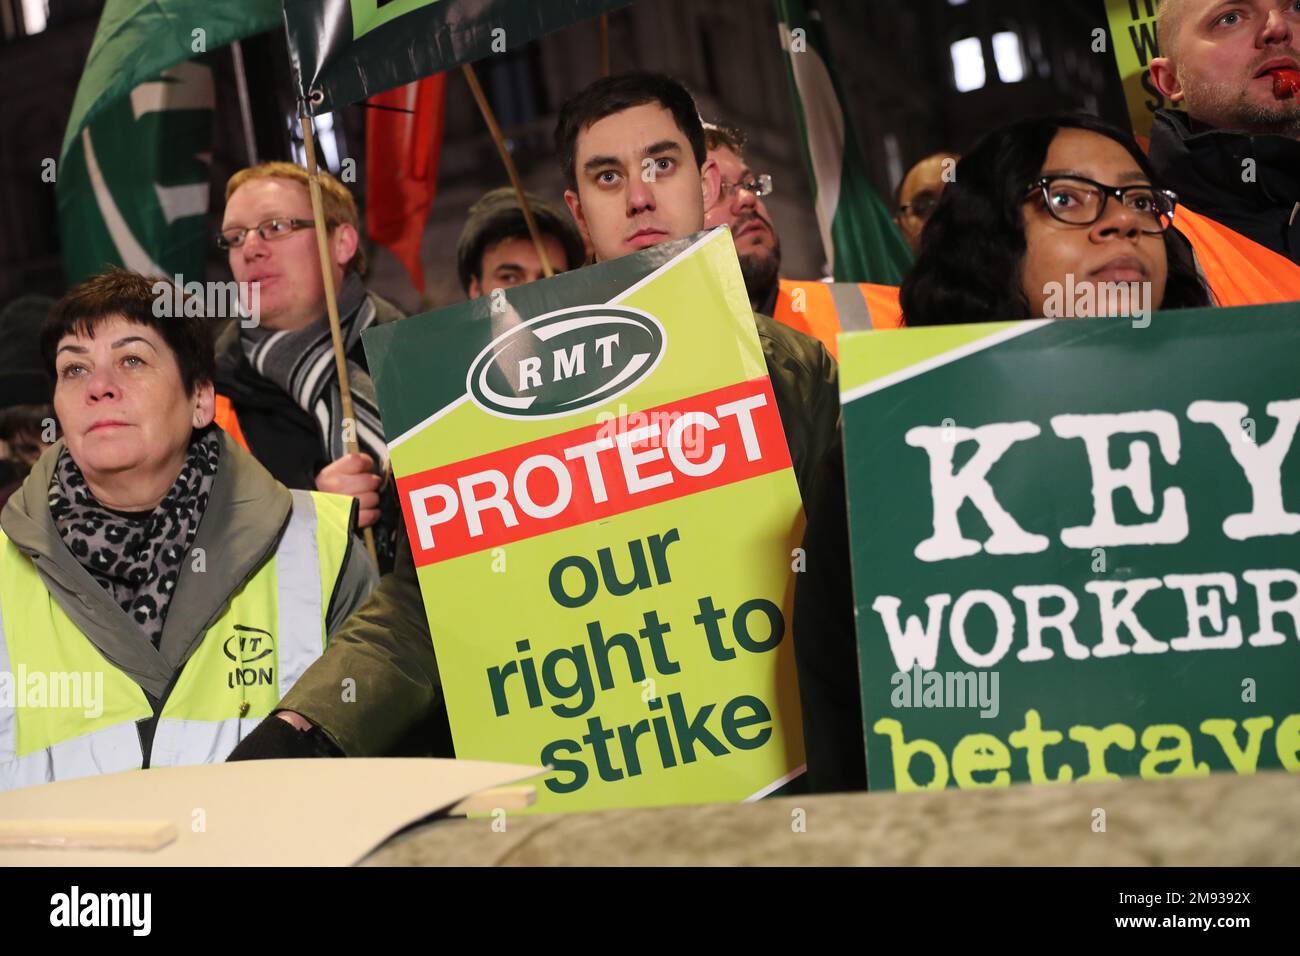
x: 302, y: 363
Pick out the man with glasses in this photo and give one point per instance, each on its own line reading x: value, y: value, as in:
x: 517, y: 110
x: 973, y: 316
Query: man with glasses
x: 812, y: 307
x: 919, y: 193
x: 1233, y: 156
x: 277, y: 382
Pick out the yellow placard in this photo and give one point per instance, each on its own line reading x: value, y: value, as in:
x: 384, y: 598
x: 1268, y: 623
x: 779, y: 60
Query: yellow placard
x: 1133, y: 39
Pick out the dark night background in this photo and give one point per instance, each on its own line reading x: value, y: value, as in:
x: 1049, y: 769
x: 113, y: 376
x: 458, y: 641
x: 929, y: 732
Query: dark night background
x: 894, y: 62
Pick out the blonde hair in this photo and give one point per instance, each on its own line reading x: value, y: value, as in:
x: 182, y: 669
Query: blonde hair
x: 340, y: 208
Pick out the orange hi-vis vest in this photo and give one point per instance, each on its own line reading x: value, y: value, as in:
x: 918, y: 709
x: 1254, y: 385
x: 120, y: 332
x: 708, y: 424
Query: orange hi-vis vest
x: 228, y: 421
x: 1239, y: 271
x: 825, y: 309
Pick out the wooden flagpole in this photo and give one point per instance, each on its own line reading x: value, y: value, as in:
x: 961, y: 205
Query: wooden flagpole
x: 332, y: 307
x: 497, y: 138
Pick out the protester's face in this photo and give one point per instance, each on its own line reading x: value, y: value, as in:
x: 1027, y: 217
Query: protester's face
x: 921, y: 189
x: 120, y: 401
x: 1114, y: 249
x: 288, y: 267
x: 638, y: 184
x: 513, y: 262
x: 1222, y: 61
x: 741, y: 211
x: 744, y: 214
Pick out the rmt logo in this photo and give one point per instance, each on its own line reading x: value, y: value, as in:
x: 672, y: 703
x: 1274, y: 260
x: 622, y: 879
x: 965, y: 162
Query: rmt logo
x: 253, y: 651
x: 563, y: 362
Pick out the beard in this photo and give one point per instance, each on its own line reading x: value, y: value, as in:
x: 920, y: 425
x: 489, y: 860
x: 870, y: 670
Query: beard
x: 761, y: 269
x: 1218, y: 105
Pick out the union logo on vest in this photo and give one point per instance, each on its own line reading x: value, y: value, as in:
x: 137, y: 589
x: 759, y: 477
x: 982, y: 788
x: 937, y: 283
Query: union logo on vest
x: 253, y: 651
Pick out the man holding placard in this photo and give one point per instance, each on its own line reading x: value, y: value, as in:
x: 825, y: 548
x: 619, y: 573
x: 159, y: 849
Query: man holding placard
x: 633, y: 151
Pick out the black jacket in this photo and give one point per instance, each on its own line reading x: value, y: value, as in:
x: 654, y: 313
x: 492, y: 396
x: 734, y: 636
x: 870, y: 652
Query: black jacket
x: 1210, y: 173
x: 284, y: 438
x: 826, y: 643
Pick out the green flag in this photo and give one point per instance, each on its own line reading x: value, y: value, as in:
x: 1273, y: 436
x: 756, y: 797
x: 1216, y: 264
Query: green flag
x: 861, y: 241
x: 347, y: 50
x: 132, y: 177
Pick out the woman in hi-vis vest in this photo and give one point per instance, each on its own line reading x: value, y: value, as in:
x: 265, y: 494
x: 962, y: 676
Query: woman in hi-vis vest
x: 159, y: 590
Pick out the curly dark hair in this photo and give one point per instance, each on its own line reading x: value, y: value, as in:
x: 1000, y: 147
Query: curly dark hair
x: 973, y: 247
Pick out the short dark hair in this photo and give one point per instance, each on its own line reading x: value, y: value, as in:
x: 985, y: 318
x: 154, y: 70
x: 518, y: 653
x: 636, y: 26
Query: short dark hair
x: 119, y: 292
x: 722, y: 136
x: 973, y: 246
x: 614, y: 94
x: 497, y: 216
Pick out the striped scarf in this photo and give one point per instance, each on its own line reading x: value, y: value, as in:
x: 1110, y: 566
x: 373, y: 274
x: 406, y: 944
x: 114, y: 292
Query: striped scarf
x: 302, y: 363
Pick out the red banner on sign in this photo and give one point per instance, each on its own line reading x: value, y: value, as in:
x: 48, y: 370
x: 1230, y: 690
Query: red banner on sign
x: 696, y: 444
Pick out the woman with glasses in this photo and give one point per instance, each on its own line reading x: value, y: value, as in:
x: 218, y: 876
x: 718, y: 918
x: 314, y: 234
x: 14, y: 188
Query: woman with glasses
x: 1057, y: 217
x: 1037, y: 208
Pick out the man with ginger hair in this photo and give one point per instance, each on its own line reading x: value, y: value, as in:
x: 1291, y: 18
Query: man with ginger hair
x: 277, y: 382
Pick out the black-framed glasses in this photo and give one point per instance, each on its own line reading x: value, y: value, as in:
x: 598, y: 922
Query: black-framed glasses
x: 760, y: 186
x: 268, y: 230
x: 1077, y: 201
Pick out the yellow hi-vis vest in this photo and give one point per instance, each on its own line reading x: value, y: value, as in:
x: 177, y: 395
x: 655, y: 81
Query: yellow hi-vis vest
x: 72, y: 713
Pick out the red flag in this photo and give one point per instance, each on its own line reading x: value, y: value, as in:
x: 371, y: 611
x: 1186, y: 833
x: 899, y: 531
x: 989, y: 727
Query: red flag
x: 402, y: 153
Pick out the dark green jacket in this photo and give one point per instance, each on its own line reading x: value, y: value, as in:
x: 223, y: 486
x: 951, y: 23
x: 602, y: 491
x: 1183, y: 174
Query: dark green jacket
x: 386, y: 647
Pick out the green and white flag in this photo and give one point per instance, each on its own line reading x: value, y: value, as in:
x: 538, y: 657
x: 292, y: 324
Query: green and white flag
x: 862, y: 242
x: 133, y: 172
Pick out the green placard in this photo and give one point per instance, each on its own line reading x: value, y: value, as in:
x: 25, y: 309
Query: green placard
x: 1075, y: 547
x: 600, y: 503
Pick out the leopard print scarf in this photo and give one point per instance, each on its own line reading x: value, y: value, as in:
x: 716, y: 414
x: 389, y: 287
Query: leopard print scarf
x: 136, y: 557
